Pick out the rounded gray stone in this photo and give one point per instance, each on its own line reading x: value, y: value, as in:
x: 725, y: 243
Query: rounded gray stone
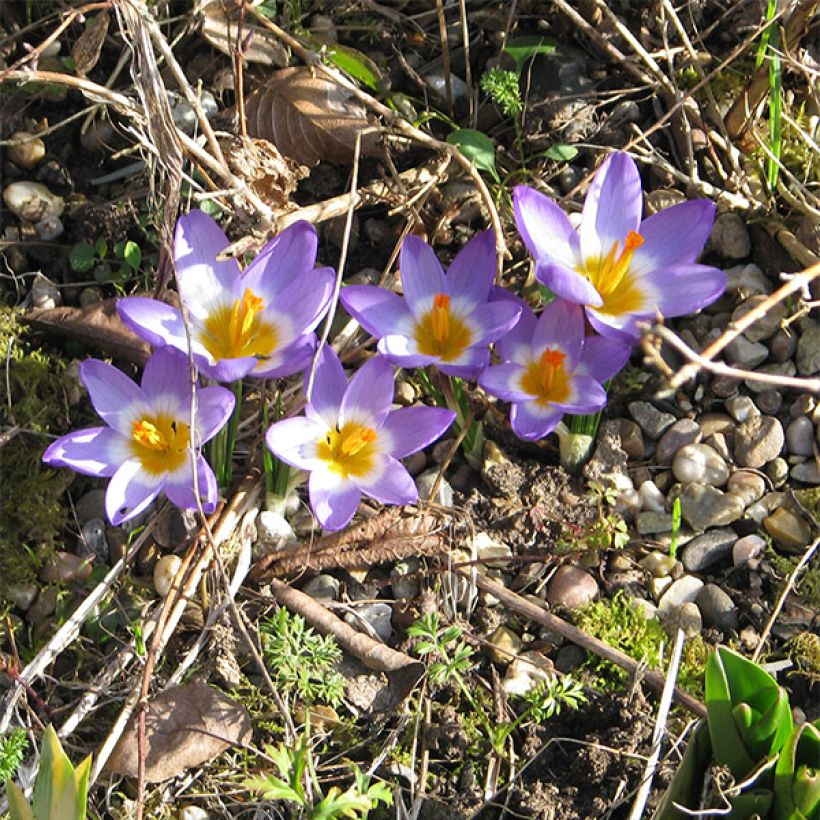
x: 651, y: 420
x: 769, y: 402
x: 764, y: 327
x: 778, y: 471
x: 704, y: 506
x: 740, y: 352
x: 758, y: 440
x: 800, y: 436
x: 747, y: 486
x: 685, y: 589
x: 706, y: 550
x: 808, y: 350
x: 730, y: 237
x: 571, y: 587
x: 681, y: 433
x: 741, y: 407
x: 699, y: 462
x: 717, y: 608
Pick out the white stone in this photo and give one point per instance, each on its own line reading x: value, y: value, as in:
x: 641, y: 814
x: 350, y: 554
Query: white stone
x: 165, y: 571
x: 653, y: 499
x: 699, y: 462
x: 525, y: 672
x: 32, y: 201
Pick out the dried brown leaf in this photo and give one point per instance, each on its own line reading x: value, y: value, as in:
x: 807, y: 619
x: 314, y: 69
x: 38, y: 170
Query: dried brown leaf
x: 87, y: 49
x: 96, y: 326
x: 220, y: 27
x: 272, y: 177
x: 310, y: 118
x: 184, y: 727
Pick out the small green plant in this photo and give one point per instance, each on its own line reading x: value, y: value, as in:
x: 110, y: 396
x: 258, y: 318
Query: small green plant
x: 676, y: 519
x: 302, y: 661
x: 749, y: 731
x: 503, y: 88
x: 294, y: 766
x: 127, y: 257
x: 606, y: 531
x: 13, y: 747
x: 60, y: 790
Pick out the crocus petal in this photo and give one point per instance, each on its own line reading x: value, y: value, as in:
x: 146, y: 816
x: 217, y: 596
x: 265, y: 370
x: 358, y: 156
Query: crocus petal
x: 159, y: 324
x: 623, y: 328
x: 333, y: 499
x: 290, y: 254
x: 560, y: 325
x: 612, y: 207
x: 403, y: 352
x: 96, y: 451
x: 674, y: 235
x: 545, y: 228
x: 603, y: 358
x: 568, y: 284
x: 684, y: 289
x: 369, y: 394
x: 421, y: 274
x: 130, y: 491
x: 204, y: 283
x: 294, y: 442
x: 214, y: 406
x: 586, y: 396
x: 504, y: 382
x: 292, y: 359
x: 470, y: 275
x: 530, y: 422
x: 166, y: 382
x: 117, y: 400
x: 468, y: 364
x: 410, y: 429
x: 514, y: 346
x: 227, y: 370
x: 329, y: 385
x: 379, y: 311
x: 388, y: 482
x: 492, y: 320
x: 180, y: 487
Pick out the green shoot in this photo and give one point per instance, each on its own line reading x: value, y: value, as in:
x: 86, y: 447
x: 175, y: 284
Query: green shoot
x: 502, y: 87
x: 676, y: 519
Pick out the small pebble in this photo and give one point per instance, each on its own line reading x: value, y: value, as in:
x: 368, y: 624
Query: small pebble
x: 741, y: 407
x: 32, y: 201
x: 44, y: 293
x: 742, y: 353
x: 704, y: 506
x: 686, y: 617
x: 377, y: 615
x: 681, y: 433
x: 90, y: 505
x: 651, y: 420
x: 416, y: 463
x: 747, y: 549
x: 747, y: 486
x: 653, y: 499
x: 682, y: 591
x: 425, y: 483
x: 646, y: 608
x: 712, y: 423
x: 730, y: 237
x: 717, y: 608
x: 659, y: 564
x: 22, y: 595
x: 758, y: 440
x: 492, y: 554
x: 808, y: 350
x: 767, y: 325
x: 789, y: 531
x: 782, y: 346
x: 657, y: 586
x: 649, y: 522
x: 800, y: 436
x: 527, y: 671
x: 807, y: 472
x: 569, y: 658
x: 571, y: 587
x: 43, y: 606
x: 165, y: 571
x: 699, y: 462
x: 746, y: 279
x: 401, y: 585
x: 803, y: 405
x: 630, y: 435
x: 503, y: 645
x: 92, y: 543
x: 769, y: 402
x: 27, y: 151
x: 772, y: 369
x: 193, y: 813
x: 323, y: 588
x: 65, y: 567
x: 707, y: 550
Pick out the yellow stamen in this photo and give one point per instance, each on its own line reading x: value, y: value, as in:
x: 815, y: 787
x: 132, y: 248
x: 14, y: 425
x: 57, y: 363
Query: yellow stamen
x: 349, y: 451
x: 612, y: 278
x: 160, y: 443
x: 546, y: 379
x: 441, y: 333
x: 238, y: 330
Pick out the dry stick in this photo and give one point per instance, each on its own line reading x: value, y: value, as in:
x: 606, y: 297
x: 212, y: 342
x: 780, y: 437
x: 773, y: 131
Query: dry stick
x: 700, y: 362
x: 445, y: 55
x: 468, y: 69
x: 807, y: 556
x: 797, y: 282
x: 522, y: 606
x: 401, y: 125
x: 402, y: 670
x: 660, y: 724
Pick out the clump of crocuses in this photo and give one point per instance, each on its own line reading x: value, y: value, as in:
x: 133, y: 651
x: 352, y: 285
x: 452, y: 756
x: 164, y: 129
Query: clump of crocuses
x: 146, y: 446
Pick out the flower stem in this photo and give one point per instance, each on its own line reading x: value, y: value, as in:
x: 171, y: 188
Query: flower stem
x: 455, y: 397
x: 222, y: 445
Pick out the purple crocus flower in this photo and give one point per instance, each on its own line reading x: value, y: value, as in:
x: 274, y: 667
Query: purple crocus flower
x: 551, y: 368
x: 444, y: 320
x: 258, y: 321
x: 143, y: 448
x: 621, y: 269
x: 349, y: 439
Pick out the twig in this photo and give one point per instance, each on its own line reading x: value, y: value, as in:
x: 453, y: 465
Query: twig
x: 787, y: 588
x: 660, y: 724
x: 700, y: 361
x: 525, y: 607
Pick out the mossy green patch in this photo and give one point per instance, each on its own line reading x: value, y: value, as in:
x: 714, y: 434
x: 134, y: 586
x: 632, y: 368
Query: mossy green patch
x: 625, y: 627
x: 804, y: 650
x: 807, y: 585
x: 32, y: 402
